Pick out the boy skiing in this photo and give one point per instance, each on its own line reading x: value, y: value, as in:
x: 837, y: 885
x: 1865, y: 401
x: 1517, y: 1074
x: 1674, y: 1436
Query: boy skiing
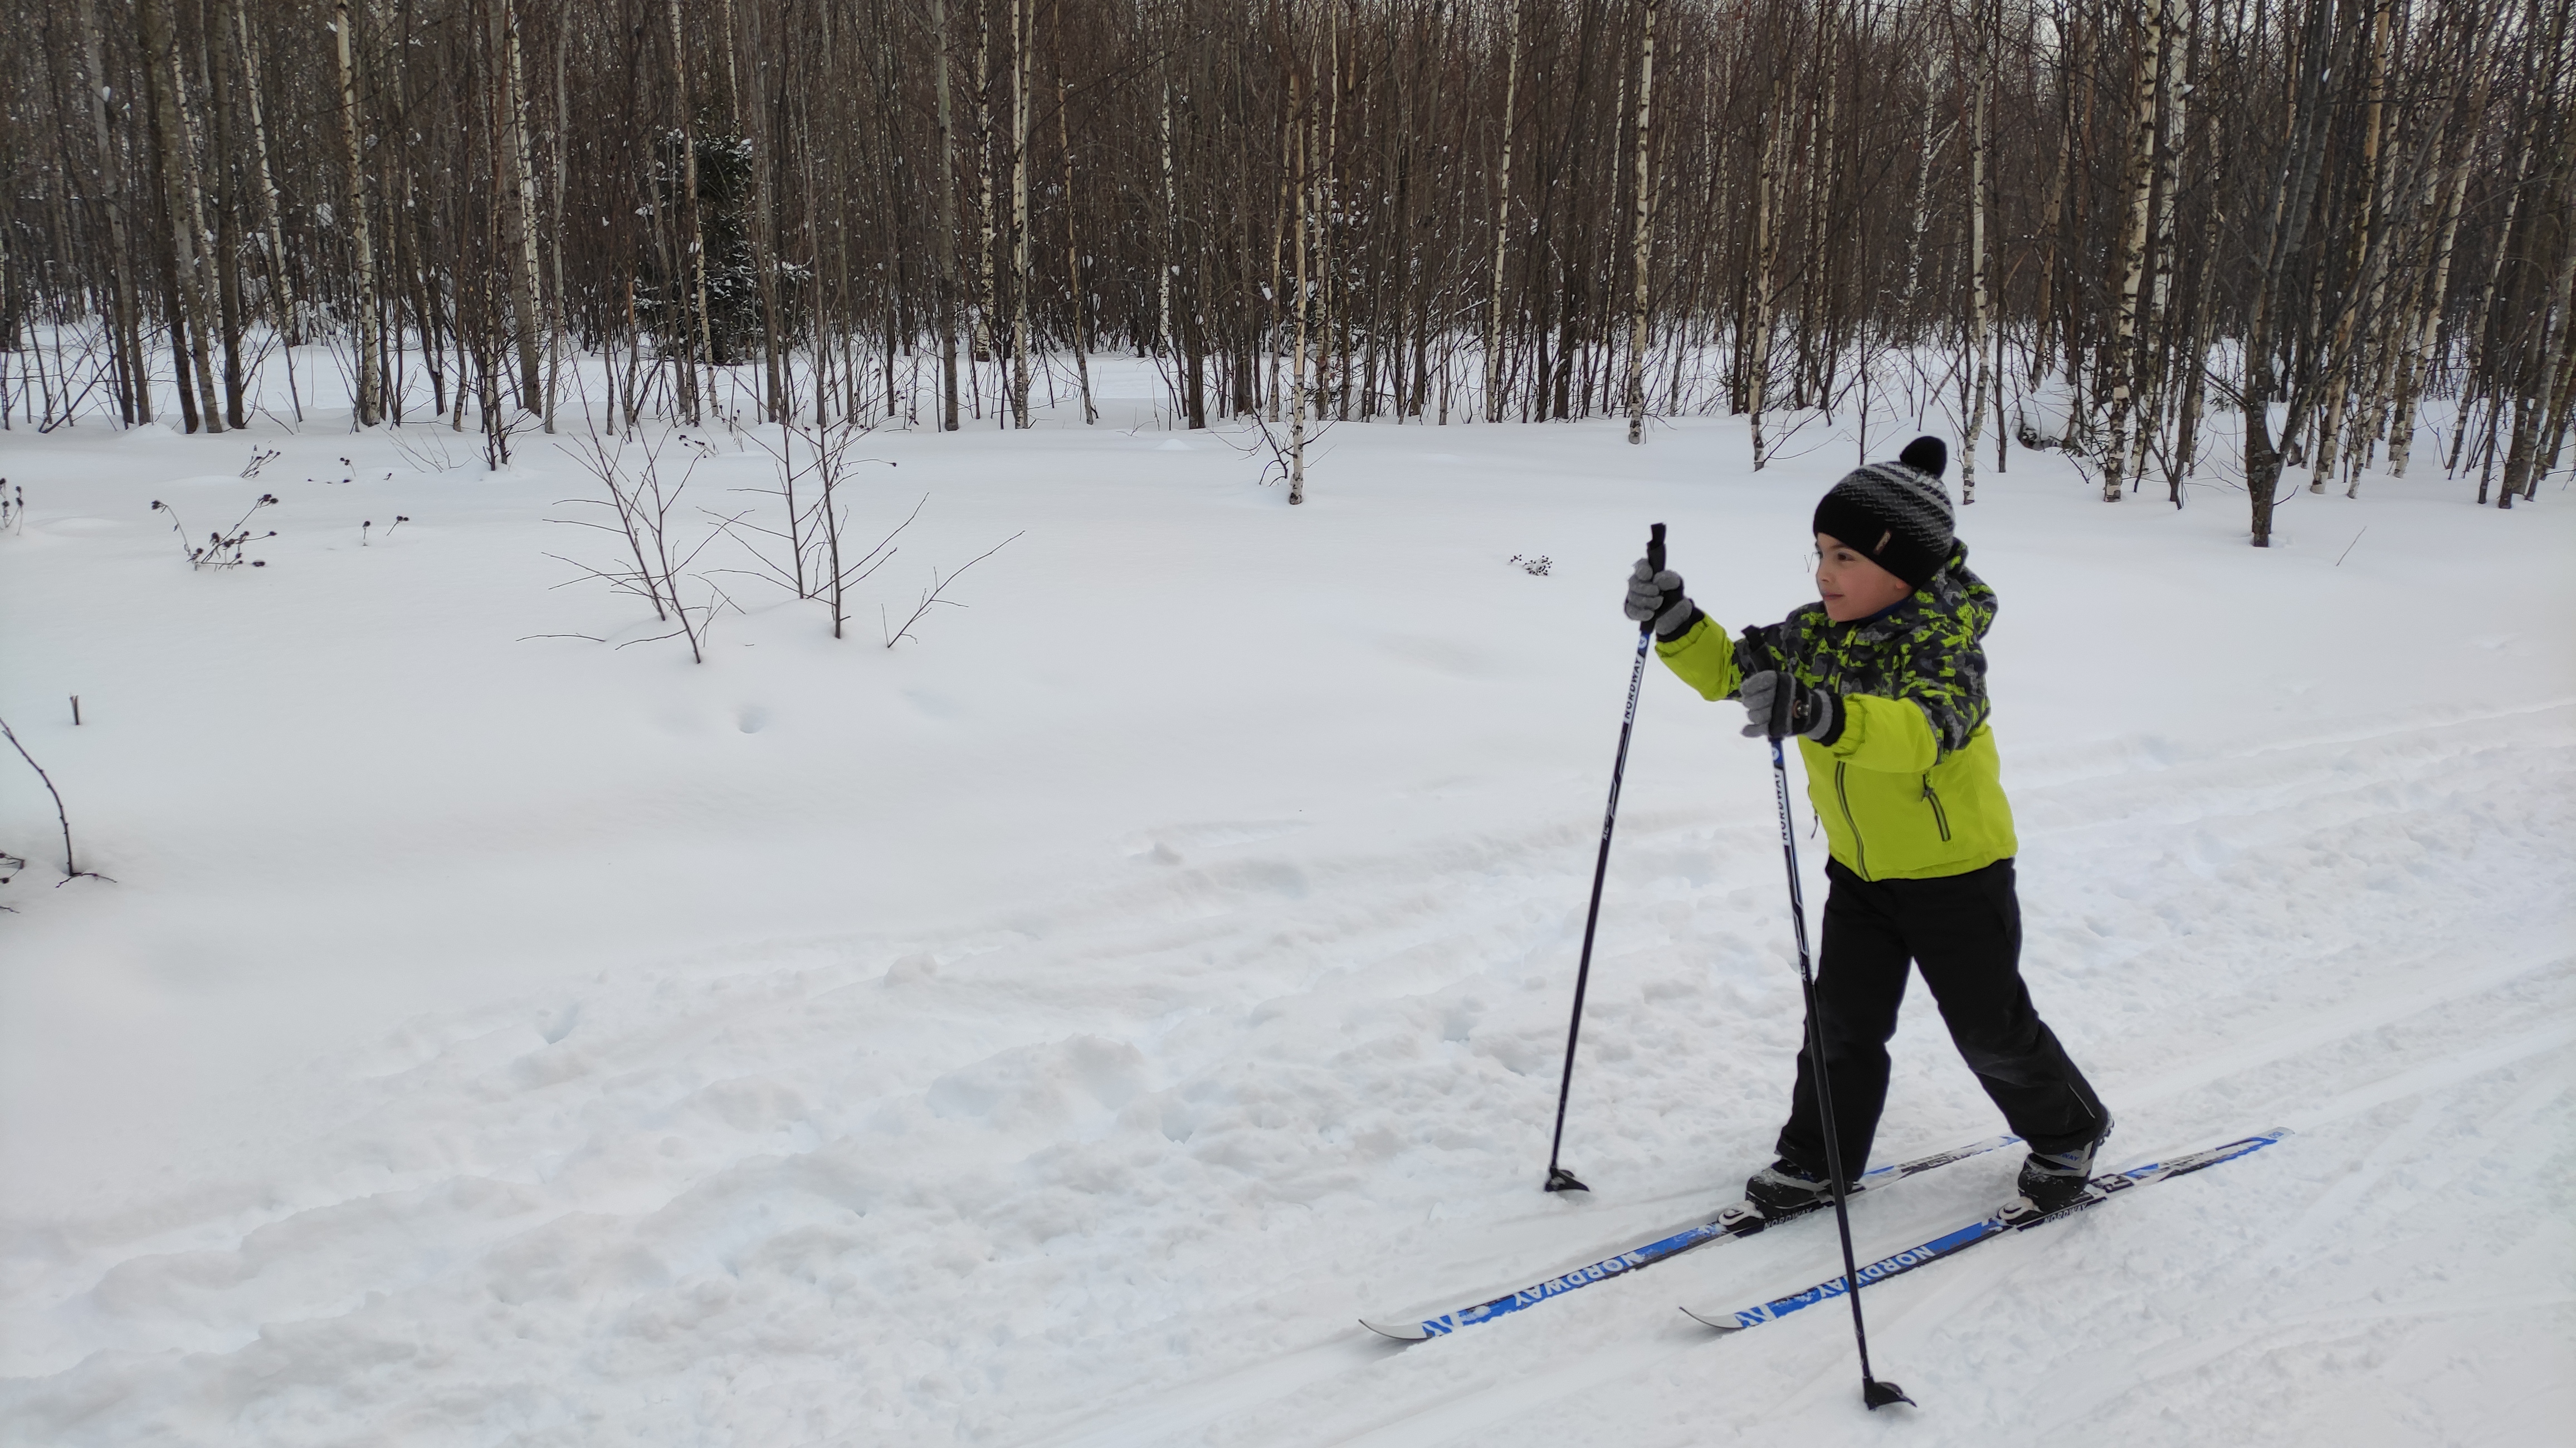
x: 1887, y: 685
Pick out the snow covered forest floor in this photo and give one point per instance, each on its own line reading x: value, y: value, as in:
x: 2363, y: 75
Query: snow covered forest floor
x: 1057, y: 1029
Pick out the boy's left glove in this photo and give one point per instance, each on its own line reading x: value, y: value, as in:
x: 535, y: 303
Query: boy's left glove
x: 1808, y: 713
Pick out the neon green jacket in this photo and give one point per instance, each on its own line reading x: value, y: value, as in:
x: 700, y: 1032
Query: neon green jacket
x: 1911, y: 788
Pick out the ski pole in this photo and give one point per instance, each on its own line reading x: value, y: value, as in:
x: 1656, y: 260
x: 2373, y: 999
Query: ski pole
x: 1558, y: 1178
x: 1873, y: 1392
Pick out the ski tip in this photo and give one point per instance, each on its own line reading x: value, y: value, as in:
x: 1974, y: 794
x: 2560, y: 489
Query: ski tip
x: 1720, y: 1327
x: 1398, y: 1331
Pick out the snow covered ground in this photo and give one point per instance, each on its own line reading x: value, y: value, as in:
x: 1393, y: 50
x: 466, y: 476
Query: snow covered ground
x: 1059, y: 1028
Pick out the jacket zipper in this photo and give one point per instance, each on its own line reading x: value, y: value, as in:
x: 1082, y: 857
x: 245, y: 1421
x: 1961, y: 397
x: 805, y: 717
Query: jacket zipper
x: 1940, y: 817
x: 1860, y: 852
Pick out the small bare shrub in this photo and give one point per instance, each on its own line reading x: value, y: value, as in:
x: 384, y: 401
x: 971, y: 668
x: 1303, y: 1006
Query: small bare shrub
x: 643, y: 503
x: 223, y: 548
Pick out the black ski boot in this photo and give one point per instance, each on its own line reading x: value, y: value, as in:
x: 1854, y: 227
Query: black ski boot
x: 2052, y: 1180
x: 1784, y: 1187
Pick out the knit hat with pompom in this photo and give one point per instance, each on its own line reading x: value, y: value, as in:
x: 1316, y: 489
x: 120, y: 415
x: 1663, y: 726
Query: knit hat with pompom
x: 1895, y: 514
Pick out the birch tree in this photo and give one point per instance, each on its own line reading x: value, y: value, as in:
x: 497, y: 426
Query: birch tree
x: 1643, y: 230
x: 1757, y: 346
x: 1980, y: 317
x: 125, y: 307
x: 1502, y: 210
x: 944, y: 240
x: 183, y: 205
x: 2122, y: 365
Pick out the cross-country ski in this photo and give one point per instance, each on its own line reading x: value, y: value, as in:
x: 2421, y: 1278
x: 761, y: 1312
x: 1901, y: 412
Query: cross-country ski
x: 1736, y: 1221
x: 2016, y: 1216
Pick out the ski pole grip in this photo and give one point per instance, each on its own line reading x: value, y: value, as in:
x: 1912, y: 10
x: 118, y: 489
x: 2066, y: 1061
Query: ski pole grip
x: 1784, y: 699
x: 1655, y: 548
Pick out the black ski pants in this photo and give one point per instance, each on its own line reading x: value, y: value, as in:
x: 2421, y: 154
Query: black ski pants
x: 1964, y: 932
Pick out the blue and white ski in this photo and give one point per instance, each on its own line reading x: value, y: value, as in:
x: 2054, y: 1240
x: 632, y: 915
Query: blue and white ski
x: 1619, y: 1264
x: 2008, y: 1220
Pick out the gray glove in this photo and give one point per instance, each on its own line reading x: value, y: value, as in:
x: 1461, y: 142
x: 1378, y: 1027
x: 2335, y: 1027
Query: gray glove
x: 1659, y: 597
x: 1812, y: 713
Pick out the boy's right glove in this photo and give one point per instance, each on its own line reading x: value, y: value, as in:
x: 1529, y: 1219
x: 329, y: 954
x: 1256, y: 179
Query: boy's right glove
x: 1658, y: 597
x: 1812, y: 713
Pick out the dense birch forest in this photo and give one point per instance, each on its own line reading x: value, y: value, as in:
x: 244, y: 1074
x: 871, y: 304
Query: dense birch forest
x: 2221, y: 243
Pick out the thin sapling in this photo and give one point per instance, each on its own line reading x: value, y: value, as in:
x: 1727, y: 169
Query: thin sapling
x: 641, y: 499
x: 816, y: 566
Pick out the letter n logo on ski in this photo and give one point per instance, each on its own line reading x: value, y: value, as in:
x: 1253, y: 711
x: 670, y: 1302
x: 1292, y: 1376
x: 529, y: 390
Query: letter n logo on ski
x: 1752, y: 1317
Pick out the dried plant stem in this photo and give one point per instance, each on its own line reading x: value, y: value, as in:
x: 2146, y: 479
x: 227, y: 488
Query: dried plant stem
x: 71, y: 865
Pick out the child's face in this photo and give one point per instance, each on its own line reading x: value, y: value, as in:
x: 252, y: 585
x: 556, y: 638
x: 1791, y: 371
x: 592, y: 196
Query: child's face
x: 1851, y: 585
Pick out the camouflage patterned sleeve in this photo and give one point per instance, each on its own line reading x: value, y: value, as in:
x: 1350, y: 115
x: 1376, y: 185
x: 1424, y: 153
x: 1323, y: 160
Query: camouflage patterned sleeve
x: 1944, y: 674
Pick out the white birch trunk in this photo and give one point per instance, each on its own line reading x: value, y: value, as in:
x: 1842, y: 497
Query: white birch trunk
x: 1072, y: 241
x: 137, y: 377
x: 2524, y: 461
x: 369, y: 384
x: 1278, y: 251
x: 186, y: 201
x: 1925, y: 144
x: 520, y: 209
x: 761, y: 235
x: 1023, y: 34
x: 2363, y: 426
x: 1757, y: 365
x: 1297, y: 372
x: 2172, y: 117
x: 2174, y: 121
x: 1502, y: 214
x: 1328, y: 377
x: 1642, y: 247
x: 264, y: 185
x: 695, y: 241
x: 1163, y: 272
x: 2338, y: 355
x: 2428, y: 331
x: 2121, y: 364
x: 554, y: 307
x: 947, y: 245
x: 1979, y: 301
x: 990, y: 299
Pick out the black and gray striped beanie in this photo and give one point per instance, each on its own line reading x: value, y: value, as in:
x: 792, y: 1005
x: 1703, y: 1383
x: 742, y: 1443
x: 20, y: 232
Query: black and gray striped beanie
x: 1897, y: 514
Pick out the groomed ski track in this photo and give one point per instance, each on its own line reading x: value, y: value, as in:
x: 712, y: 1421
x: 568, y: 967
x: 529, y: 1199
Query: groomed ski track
x: 1121, y: 1165
x: 2315, y: 1284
